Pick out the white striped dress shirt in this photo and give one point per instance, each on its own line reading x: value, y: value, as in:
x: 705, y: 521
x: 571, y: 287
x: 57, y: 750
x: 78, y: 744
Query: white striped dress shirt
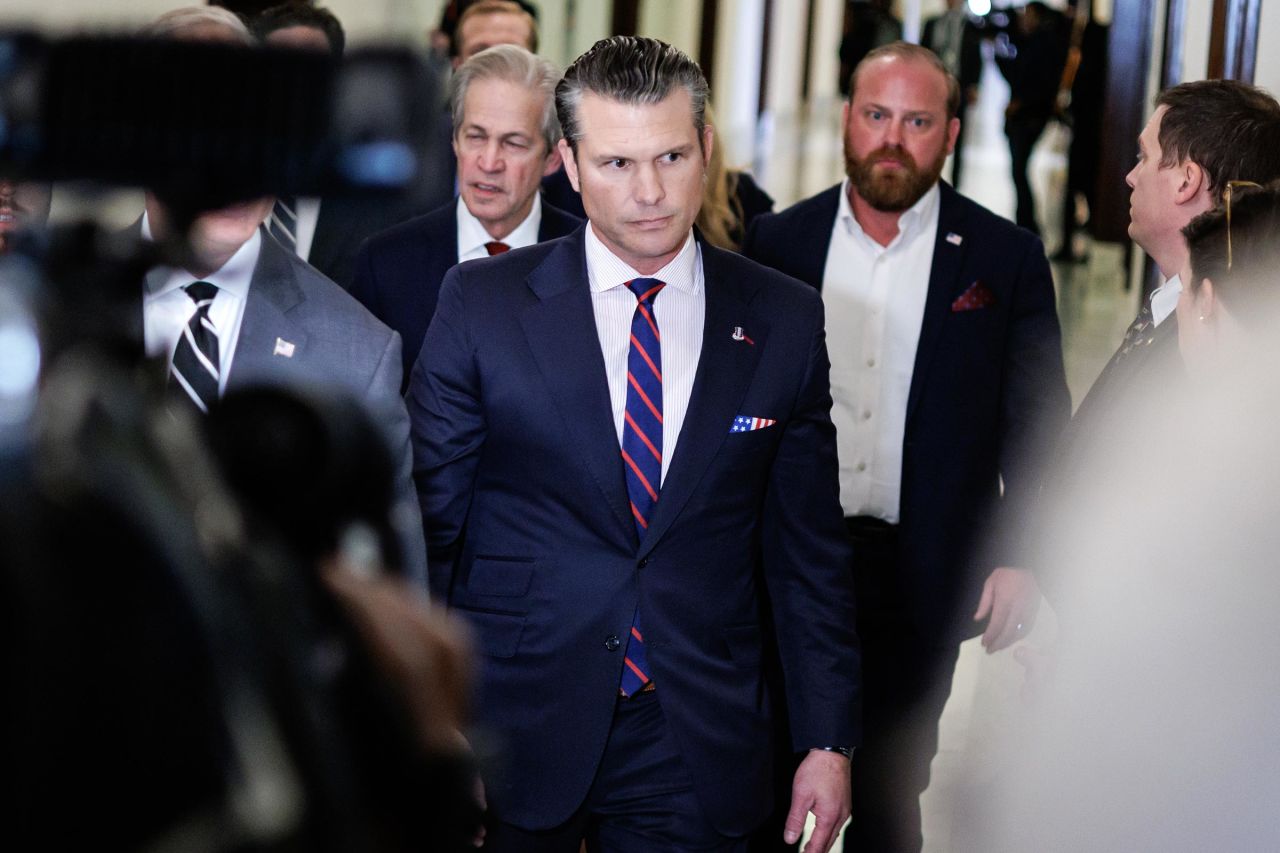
x: 679, y: 310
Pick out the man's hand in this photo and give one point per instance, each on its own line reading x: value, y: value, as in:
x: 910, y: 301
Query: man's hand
x: 821, y: 786
x: 1010, y: 600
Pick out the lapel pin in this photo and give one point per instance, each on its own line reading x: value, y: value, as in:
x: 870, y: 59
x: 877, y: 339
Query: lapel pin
x: 284, y: 348
x: 954, y: 239
x: 739, y: 336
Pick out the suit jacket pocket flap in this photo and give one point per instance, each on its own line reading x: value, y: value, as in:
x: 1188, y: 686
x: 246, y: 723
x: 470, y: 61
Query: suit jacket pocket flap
x: 744, y: 644
x: 497, y: 634
x: 502, y: 576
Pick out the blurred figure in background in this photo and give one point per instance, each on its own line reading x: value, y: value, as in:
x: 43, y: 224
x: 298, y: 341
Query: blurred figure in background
x: 323, y: 232
x: 1039, y: 42
x: 1084, y: 113
x: 485, y: 23
x: 1231, y: 286
x: 24, y: 206
x: 731, y: 199
x: 953, y: 36
x: 868, y: 24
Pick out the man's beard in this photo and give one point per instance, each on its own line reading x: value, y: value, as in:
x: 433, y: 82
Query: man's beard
x: 892, y: 191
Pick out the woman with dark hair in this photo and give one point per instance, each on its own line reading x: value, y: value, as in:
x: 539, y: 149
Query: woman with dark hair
x: 1232, y: 281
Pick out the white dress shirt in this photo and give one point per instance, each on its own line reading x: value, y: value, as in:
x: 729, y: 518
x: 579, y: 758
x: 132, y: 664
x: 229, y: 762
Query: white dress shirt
x: 166, y: 308
x: 1164, y: 299
x: 678, y: 309
x: 874, y: 298
x: 472, y: 235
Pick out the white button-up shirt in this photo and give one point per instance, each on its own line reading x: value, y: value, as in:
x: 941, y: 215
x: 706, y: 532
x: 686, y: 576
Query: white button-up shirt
x: 679, y: 311
x: 874, y: 297
x: 472, y: 236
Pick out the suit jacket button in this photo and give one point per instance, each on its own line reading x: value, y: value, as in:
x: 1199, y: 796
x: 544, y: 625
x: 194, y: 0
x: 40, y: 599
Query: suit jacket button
x: 642, y: 563
x: 612, y: 644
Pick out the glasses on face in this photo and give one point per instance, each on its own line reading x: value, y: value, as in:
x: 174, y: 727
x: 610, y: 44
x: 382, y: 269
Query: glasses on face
x: 1226, y: 204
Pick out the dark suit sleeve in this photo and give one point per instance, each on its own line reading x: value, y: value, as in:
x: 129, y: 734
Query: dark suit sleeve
x: 448, y: 429
x: 364, y: 285
x: 807, y: 572
x: 1035, y: 405
x: 384, y: 396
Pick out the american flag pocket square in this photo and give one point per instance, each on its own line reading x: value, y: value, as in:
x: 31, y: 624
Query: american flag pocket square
x: 975, y: 296
x: 742, y: 423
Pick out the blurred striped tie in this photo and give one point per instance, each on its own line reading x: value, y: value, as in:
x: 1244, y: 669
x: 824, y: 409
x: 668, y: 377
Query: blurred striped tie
x: 642, y: 447
x: 195, y: 360
x: 283, y: 222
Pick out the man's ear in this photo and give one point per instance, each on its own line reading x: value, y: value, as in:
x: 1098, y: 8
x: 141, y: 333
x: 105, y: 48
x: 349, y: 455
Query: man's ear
x: 953, y: 133
x: 708, y: 140
x: 553, y: 162
x: 570, y: 164
x: 1192, y: 181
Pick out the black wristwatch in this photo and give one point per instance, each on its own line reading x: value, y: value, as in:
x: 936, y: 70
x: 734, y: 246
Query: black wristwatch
x: 846, y: 751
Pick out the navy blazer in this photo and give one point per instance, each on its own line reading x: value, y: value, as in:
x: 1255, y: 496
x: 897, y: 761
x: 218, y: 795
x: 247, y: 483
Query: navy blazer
x: 988, y: 396
x: 301, y: 328
x: 398, y: 272
x: 344, y: 224
x: 520, y: 477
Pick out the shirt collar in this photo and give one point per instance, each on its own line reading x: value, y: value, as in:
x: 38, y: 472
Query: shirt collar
x: 472, y: 234
x: 233, y: 277
x: 912, y: 220
x: 605, y: 270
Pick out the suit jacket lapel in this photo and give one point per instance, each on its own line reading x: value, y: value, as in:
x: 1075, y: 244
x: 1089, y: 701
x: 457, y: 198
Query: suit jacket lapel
x: 725, y: 369
x: 273, y: 292
x: 945, y: 285
x: 815, y: 236
x: 561, y: 330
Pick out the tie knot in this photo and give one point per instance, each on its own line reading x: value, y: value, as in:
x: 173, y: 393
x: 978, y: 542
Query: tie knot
x: 201, y: 292
x: 645, y: 289
x: 496, y: 247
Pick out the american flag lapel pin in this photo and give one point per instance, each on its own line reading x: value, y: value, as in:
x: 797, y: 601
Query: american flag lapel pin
x: 954, y: 239
x: 739, y: 335
x: 284, y: 348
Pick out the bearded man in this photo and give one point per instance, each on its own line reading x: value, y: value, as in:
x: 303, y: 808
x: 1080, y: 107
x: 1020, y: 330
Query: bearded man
x: 948, y: 387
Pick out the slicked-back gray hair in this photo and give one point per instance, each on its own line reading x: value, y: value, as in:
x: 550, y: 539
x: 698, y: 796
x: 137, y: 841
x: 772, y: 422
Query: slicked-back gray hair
x: 172, y: 23
x: 631, y: 70
x: 512, y: 64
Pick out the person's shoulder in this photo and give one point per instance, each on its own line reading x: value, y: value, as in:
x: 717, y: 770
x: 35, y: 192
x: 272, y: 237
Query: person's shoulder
x: 758, y: 282
x: 983, y: 226
x: 436, y: 225
x: 824, y: 204
x: 557, y: 222
x: 323, y: 297
x: 514, y: 266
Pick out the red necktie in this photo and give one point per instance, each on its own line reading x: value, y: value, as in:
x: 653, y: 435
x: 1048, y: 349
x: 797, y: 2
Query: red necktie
x: 642, y: 448
x: 496, y: 247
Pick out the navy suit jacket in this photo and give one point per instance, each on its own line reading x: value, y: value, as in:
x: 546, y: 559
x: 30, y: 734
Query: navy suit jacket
x: 398, y: 272
x: 988, y: 396
x: 520, y: 477
x: 343, y: 226
x: 336, y: 343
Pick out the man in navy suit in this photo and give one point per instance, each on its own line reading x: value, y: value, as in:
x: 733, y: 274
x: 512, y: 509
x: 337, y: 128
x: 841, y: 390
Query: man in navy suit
x: 947, y: 381
x: 505, y: 135
x: 619, y: 436
x: 272, y: 318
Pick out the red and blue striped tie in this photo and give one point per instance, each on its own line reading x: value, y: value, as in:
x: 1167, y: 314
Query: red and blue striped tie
x: 642, y: 446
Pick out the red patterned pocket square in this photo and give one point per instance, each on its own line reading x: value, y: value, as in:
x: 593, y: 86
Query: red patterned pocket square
x: 978, y: 295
